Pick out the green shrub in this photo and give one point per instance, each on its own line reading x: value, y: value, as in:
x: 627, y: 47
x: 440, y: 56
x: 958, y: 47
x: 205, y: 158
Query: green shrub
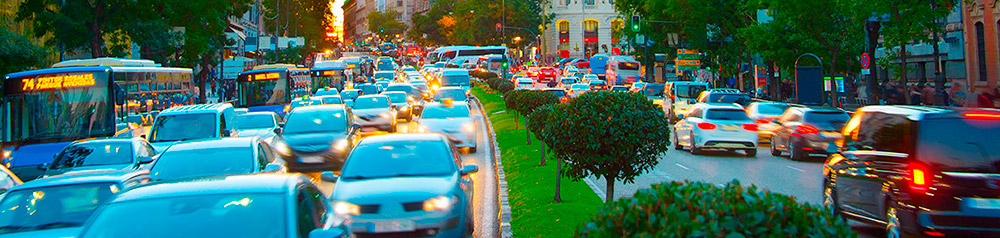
x: 493, y: 82
x: 704, y: 210
x: 504, y: 86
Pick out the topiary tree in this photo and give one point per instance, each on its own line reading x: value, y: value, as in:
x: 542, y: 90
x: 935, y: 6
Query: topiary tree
x: 541, y: 123
x: 529, y: 101
x: 510, y: 101
x: 504, y: 86
x: 615, y: 135
x: 701, y: 209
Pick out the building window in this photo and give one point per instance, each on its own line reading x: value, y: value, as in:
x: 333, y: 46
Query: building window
x: 590, y: 37
x: 589, y: 2
x: 563, y: 27
x: 981, y: 50
x: 567, y: 2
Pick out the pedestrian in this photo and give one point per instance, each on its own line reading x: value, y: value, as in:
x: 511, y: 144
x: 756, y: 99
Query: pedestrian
x: 958, y: 95
x: 915, y: 96
x: 996, y: 98
x: 928, y: 94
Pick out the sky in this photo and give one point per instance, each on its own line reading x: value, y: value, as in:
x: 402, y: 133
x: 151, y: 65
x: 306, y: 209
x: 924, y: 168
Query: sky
x: 338, y: 12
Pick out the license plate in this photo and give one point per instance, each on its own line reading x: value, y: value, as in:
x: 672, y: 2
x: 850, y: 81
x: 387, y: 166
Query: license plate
x: 393, y: 226
x: 730, y: 128
x: 310, y: 159
x: 984, y: 203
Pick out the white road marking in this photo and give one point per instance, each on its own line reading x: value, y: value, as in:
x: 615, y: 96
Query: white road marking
x: 682, y: 166
x: 794, y: 168
x: 659, y: 173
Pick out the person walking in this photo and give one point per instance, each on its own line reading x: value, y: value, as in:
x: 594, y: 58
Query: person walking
x: 958, y: 95
x: 928, y: 94
x: 915, y: 96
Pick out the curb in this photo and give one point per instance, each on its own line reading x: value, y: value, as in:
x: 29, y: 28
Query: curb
x: 504, y: 215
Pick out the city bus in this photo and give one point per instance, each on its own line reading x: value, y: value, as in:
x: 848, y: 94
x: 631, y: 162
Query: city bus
x: 272, y: 87
x: 492, y: 63
x: 472, y: 53
x: 622, y: 70
x: 46, y: 109
x: 598, y: 64
x: 329, y: 74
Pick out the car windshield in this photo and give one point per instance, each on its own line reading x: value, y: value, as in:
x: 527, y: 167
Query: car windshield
x: 396, y: 97
x: 772, y: 109
x: 455, y: 80
x: 445, y: 112
x: 726, y: 114
x: 183, y: 127
x: 333, y: 100
x: 315, y: 121
x: 383, y: 75
x: 53, y: 207
x: 306, y: 102
x: 568, y: 80
x: 596, y: 82
x: 253, y: 121
x: 371, y: 102
x: 628, y: 65
x: 94, y: 153
x: 248, y: 215
x: 455, y: 94
x: 369, y: 88
x: 408, y: 158
x: 946, y: 144
x: 690, y: 91
x: 653, y: 90
x: 202, y: 162
x: 399, y: 88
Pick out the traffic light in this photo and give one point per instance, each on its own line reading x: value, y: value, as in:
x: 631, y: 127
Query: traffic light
x: 499, y: 27
x: 636, y: 22
x: 381, y: 30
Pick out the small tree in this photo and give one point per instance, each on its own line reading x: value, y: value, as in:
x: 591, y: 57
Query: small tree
x: 529, y: 101
x: 540, y: 122
x: 510, y: 99
x: 615, y: 135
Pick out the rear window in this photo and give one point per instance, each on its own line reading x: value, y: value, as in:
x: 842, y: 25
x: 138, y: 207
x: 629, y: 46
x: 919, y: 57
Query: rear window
x: 653, y: 90
x: 827, y: 117
x: 726, y: 114
x: 628, y: 66
x: 558, y: 93
x: 689, y: 91
x: 455, y: 80
x: 771, y: 109
x: 946, y: 144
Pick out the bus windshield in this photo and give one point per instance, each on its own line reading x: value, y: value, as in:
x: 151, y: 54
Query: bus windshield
x: 262, y: 92
x: 40, y: 108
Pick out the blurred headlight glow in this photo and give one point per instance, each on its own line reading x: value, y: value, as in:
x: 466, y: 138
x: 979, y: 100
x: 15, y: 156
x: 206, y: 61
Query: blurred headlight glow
x: 340, y: 145
x: 346, y: 208
x: 469, y: 127
x: 439, y: 203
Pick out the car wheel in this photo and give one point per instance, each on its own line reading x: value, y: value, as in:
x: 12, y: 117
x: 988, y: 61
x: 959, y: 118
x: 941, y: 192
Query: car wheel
x: 677, y: 143
x: 774, y: 149
x: 794, y: 152
x: 751, y: 153
x: 892, y: 223
x: 694, y: 148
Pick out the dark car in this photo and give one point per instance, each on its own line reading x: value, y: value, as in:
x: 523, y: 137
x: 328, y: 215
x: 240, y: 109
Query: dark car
x: 258, y: 206
x: 807, y: 130
x: 403, y: 104
x: 209, y: 157
x: 405, y: 185
x: 375, y: 112
x: 57, y: 206
x: 117, y: 154
x: 317, y: 138
x: 725, y: 95
x: 918, y: 171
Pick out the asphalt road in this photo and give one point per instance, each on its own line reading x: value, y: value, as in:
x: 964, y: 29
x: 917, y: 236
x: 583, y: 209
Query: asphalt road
x: 484, y: 182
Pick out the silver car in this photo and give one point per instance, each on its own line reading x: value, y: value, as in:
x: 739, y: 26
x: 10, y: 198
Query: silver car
x: 260, y: 124
x: 453, y: 119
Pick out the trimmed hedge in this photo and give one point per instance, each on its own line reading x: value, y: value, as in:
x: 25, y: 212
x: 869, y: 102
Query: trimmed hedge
x: 698, y: 209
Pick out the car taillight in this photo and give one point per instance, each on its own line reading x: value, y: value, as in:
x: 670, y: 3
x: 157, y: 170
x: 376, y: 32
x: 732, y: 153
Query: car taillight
x: 919, y: 177
x: 706, y: 126
x: 806, y: 129
x: 563, y: 99
x: 761, y: 121
x: 750, y: 127
x: 981, y: 115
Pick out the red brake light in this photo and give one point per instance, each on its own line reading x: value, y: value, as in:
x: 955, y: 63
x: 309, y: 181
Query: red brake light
x: 706, y: 126
x: 919, y: 176
x: 750, y: 127
x: 563, y: 99
x: 980, y: 115
x: 807, y: 129
x: 761, y: 121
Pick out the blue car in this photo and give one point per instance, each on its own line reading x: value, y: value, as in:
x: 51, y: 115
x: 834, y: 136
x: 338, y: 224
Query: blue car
x: 210, y: 157
x: 408, y: 185
x: 118, y: 154
x: 247, y: 206
x: 58, y: 206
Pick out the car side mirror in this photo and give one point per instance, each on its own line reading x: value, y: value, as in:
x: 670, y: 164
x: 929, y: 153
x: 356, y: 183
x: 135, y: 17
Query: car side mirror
x: 328, y: 176
x: 44, y: 166
x: 272, y: 168
x: 468, y: 169
x: 277, y: 131
x: 142, y: 136
x: 145, y: 160
x: 332, y: 232
x: 393, y: 106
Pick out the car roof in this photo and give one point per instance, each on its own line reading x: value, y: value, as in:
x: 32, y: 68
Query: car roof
x: 525, y: 80
x: 393, y: 92
x: 924, y: 112
x: 320, y: 107
x: 687, y: 83
x: 408, y: 137
x: 817, y: 109
x: 81, y: 177
x: 372, y: 96
x: 455, y: 72
x: 718, y: 105
x: 225, y: 142
x: 223, y: 184
x: 197, y: 108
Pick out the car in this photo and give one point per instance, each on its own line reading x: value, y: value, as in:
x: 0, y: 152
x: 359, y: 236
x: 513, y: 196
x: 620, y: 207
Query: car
x: 58, y: 206
x: 369, y: 88
x: 331, y: 99
x: 259, y: 124
x: 301, y: 102
x: 525, y: 84
x: 724, y: 95
x: 208, y: 157
x: 636, y: 87
x: 117, y: 154
x: 653, y: 92
x: 405, y: 88
x: 807, y: 130
x: 578, y: 89
x: 384, y: 75
x: 716, y: 126
x: 566, y: 82
x: 619, y: 88
x: 326, y: 92
x: 407, y: 185
x: 219, y: 206
x: 414, y: 78
x: 424, y: 90
x: 918, y: 171
x: 382, y: 85
x: 559, y: 92
x: 597, y: 85
x: 404, y: 105
x: 374, y: 113
x: 191, y: 122
x: 590, y: 77
x: 8, y: 180
x: 454, y: 93
x: 453, y: 119
x: 766, y: 115
x: 349, y: 95
x: 455, y: 77
x: 532, y: 72
x: 546, y: 74
x: 680, y: 96
x: 317, y: 138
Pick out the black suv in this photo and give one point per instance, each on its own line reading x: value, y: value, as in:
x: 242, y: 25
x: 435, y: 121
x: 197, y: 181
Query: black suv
x: 918, y: 171
x: 807, y: 130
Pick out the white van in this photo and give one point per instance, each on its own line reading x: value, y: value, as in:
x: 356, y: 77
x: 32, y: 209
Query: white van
x: 622, y: 70
x: 680, y: 96
x: 191, y: 122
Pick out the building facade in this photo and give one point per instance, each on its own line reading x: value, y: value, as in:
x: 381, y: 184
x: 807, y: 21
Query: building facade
x: 581, y: 28
x: 981, y: 20
x: 921, y: 60
x: 350, y: 16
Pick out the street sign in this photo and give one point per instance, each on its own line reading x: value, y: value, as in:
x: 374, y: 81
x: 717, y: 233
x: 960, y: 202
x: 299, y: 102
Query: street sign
x: 866, y: 71
x: 687, y: 52
x: 865, y: 61
x: 688, y: 67
x: 687, y: 62
x: 688, y: 57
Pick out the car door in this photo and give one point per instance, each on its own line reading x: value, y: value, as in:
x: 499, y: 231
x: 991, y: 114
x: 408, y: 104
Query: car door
x: 309, y: 210
x: 788, y: 123
x: 684, y: 127
x: 875, y: 154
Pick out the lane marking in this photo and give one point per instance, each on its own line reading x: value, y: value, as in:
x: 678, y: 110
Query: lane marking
x: 682, y: 166
x: 794, y: 168
x: 659, y: 173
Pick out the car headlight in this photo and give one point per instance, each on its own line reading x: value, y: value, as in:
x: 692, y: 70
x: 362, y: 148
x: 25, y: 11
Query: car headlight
x: 469, y: 127
x: 340, y: 145
x: 282, y: 148
x: 386, y: 115
x: 421, y: 129
x: 6, y: 154
x: 404, y: 108
x: 441, y: 203
x: 346, y: 208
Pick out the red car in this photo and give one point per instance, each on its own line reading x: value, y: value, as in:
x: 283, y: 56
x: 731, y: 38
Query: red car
x: 532, y: 72
x: 546, y: 74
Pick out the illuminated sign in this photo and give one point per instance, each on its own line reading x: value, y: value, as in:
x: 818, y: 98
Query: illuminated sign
x: 329, y: 73
x: 265, y: 76
x: 56, y: 82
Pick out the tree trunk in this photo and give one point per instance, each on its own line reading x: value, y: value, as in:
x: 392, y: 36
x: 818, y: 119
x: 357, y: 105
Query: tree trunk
x: 97, y: 34
x: 610, y: 189
x: 514, y: 114
x: 834, y: 94
x: 543, y: 153
x: 902, y: 74
x: 558, y: 198
x: 206, y: 61
x: 527, y: 133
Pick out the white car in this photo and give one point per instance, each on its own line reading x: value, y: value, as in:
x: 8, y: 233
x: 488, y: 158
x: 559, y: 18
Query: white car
x: 525, y: 83
x: 716, y: 126
x: 578, y: 89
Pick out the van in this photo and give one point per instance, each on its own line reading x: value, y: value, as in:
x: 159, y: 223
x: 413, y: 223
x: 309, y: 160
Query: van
x: 455, y: 78
x: 623, y: 70
x: 191, y: 122
x: 680, y: 95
